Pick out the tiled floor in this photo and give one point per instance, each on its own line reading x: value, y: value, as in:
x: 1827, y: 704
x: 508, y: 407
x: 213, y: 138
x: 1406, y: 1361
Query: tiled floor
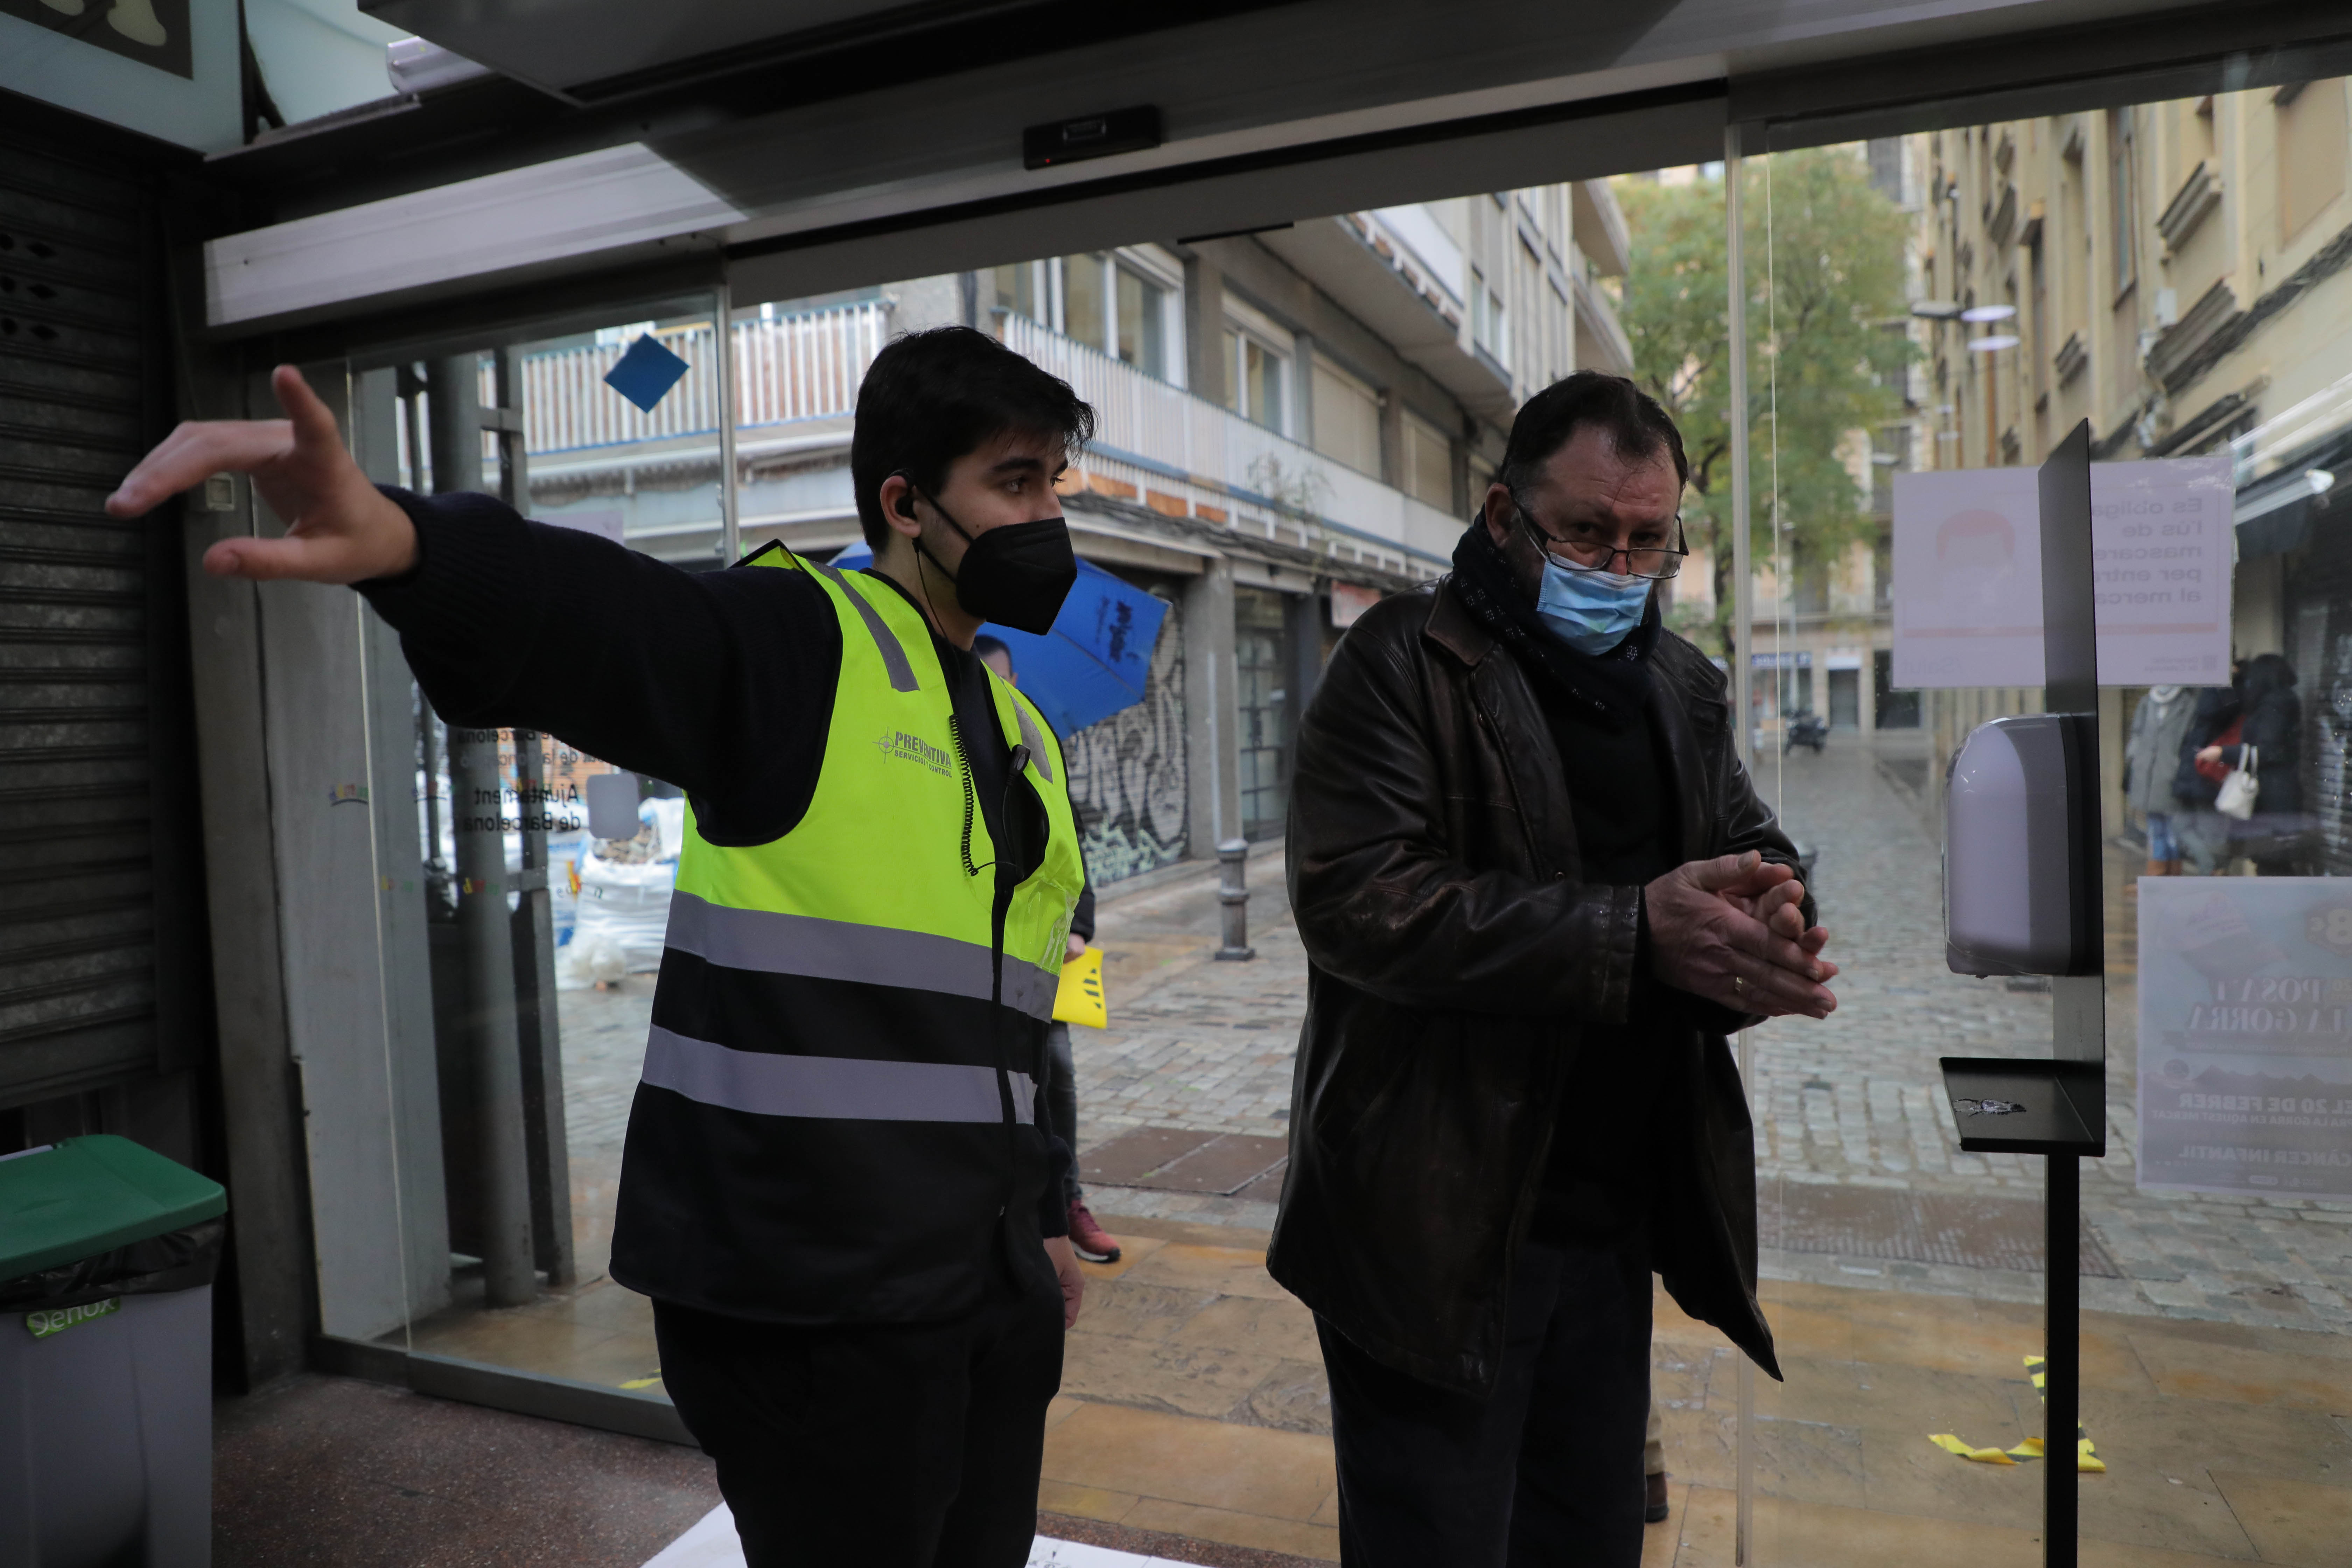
x: 360, y: 1475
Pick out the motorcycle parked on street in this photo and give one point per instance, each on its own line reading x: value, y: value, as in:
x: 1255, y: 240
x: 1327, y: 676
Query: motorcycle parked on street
x: 1806, y: 729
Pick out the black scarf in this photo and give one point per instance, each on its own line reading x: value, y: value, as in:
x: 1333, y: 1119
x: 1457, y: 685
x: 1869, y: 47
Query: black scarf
x: 1610, y: 686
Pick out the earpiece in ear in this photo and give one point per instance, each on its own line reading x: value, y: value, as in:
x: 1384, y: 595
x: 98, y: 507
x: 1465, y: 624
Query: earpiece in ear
x: 906, y: 507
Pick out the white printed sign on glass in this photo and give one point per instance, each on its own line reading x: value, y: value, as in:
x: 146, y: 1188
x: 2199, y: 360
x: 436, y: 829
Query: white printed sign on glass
x: 2245, y: 1035
x: 1968, y: 575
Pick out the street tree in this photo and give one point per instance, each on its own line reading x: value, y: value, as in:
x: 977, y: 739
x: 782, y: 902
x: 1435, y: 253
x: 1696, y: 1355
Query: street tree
x: 1825, y: 272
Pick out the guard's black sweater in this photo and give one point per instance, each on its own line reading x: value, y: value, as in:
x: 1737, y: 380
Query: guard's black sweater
x: 718, y: 682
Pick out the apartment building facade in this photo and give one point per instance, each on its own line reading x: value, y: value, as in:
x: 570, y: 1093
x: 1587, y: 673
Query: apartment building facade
x: 1291, y: 423
x: 2179, y: 274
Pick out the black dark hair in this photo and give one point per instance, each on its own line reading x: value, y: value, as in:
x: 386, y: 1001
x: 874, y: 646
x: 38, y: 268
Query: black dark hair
x: 932, y: 396
x: 983, y: 645
x: 1636, y: 426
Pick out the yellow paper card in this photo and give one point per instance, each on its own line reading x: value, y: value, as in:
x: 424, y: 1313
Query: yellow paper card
x: 1080, y: 998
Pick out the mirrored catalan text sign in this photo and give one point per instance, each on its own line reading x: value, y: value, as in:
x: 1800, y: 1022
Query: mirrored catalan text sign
x: 1968, y: 575
x: 2245, y: 1035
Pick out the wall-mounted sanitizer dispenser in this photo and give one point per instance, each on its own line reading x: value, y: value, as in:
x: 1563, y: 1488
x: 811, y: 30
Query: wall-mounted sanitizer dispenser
x: 2020, y: 848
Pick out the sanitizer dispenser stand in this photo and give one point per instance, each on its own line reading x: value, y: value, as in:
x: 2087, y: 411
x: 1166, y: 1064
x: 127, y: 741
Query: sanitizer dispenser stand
x: 2022, y: 897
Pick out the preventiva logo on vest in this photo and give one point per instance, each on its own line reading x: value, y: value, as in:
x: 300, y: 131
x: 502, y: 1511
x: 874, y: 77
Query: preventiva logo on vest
x: 837, y: 1119
x: 915, y: 749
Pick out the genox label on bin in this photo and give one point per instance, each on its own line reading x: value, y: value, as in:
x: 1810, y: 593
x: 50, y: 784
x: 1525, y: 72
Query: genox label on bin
x: 57, y: 1319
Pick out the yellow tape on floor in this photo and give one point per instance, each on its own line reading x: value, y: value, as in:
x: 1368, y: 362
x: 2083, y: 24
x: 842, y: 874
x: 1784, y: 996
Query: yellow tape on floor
x: 2031, y: 1448
x: 1951, y: 1445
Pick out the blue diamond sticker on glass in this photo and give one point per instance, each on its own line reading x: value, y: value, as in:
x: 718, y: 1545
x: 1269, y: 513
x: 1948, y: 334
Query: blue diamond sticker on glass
x: 645, y: 373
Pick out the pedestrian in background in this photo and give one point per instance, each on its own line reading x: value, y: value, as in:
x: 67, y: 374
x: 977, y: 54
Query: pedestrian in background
x: 1536, y: 890
x: 2199, y: 830
x: 1088, y: 1239
x: 2151, y: 757
x: 2269, y: 745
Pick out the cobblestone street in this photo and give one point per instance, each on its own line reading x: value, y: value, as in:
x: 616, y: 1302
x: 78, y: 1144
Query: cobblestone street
x: 1856, y: 1100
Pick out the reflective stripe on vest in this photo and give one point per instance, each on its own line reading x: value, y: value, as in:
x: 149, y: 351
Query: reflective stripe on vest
x: 843, y: 1088
x: 771, y: 942
x: 894, y: 653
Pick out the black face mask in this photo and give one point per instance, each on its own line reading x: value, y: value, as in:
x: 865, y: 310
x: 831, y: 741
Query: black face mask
x: 1016, y: 576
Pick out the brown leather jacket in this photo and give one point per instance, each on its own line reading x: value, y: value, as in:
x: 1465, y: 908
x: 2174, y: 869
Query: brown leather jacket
x: 1455, y: 951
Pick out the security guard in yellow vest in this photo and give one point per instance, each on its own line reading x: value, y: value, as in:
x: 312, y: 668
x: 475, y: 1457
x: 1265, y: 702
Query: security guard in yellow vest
x: 834, y: 1186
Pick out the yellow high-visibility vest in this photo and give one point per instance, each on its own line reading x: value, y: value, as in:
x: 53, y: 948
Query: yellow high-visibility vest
x: 839, y: 1096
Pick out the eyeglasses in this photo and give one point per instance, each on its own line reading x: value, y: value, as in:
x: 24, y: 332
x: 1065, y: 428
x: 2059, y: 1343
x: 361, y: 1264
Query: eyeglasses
x: 1644, y: 560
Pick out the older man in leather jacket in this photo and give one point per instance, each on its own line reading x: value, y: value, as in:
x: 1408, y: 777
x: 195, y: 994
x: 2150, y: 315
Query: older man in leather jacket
x: 1538, y: 891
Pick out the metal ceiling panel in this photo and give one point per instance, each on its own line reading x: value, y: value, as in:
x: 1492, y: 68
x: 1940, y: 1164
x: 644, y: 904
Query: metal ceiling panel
x: 567, y: 44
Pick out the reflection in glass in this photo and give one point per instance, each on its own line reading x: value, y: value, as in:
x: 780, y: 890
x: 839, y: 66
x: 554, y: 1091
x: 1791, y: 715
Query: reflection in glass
x: 2081, y: 265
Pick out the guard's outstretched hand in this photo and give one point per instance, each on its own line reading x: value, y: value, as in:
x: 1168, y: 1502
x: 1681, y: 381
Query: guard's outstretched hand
x: 1728, y: 929
x: 341, y: 529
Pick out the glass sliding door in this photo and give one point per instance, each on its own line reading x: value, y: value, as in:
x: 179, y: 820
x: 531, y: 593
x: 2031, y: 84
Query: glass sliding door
x: 1930, y: 315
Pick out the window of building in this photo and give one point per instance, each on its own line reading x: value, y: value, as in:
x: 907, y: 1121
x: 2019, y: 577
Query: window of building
x: 1083, y: 289
x: 2123, y: 195
x: 1898, y: 710
x: 1263, y: 373
x: 1489, y: 322
x: 1428, y: 463
x: 1533, y: 349
x: 1257, y: 365
x: 1346, y: 419
x: 1120, y: 305
x: 2311, y: 149
x: 2073, y: 207
x: 1482, y: 478
x: 1142, y: 322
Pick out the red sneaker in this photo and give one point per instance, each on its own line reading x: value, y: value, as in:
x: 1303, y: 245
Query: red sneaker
x: 1089, y: 1240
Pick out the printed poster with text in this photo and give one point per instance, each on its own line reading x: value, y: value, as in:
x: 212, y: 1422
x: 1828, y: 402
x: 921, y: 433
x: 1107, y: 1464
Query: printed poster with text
x: 1968, y: 575
x: 2245, y: 1035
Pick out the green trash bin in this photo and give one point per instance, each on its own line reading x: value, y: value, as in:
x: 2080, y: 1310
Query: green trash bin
x: 107, y: 1257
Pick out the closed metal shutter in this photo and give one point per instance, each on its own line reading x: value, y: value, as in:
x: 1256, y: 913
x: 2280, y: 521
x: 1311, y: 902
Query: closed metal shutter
x: 79, y: 629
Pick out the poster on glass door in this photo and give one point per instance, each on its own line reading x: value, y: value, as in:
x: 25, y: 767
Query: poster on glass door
x: 1968, y: 575
x: 2245, y: 1035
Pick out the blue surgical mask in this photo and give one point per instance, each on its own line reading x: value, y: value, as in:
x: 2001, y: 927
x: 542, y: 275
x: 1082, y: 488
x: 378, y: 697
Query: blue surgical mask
x: 1591, y: 611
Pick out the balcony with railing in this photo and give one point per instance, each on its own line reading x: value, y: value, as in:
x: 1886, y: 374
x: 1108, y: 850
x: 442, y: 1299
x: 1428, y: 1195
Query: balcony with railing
x: 804, y: 366
x: 796, y: 381
x: 1180, y: 449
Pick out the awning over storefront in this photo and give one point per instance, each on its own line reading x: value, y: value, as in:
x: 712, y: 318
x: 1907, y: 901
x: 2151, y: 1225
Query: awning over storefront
x: 2275, y: 514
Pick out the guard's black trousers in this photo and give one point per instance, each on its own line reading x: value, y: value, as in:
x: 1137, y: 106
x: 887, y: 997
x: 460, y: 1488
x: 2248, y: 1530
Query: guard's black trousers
x: 1546, y: 1473
x: 898, y: 1444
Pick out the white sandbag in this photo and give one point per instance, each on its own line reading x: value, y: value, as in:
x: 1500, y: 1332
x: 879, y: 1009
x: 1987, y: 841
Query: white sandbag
x: 624, y: 904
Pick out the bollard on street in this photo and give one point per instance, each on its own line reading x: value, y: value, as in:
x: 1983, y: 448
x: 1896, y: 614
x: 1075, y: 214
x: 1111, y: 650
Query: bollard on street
x: 1233, y: 893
